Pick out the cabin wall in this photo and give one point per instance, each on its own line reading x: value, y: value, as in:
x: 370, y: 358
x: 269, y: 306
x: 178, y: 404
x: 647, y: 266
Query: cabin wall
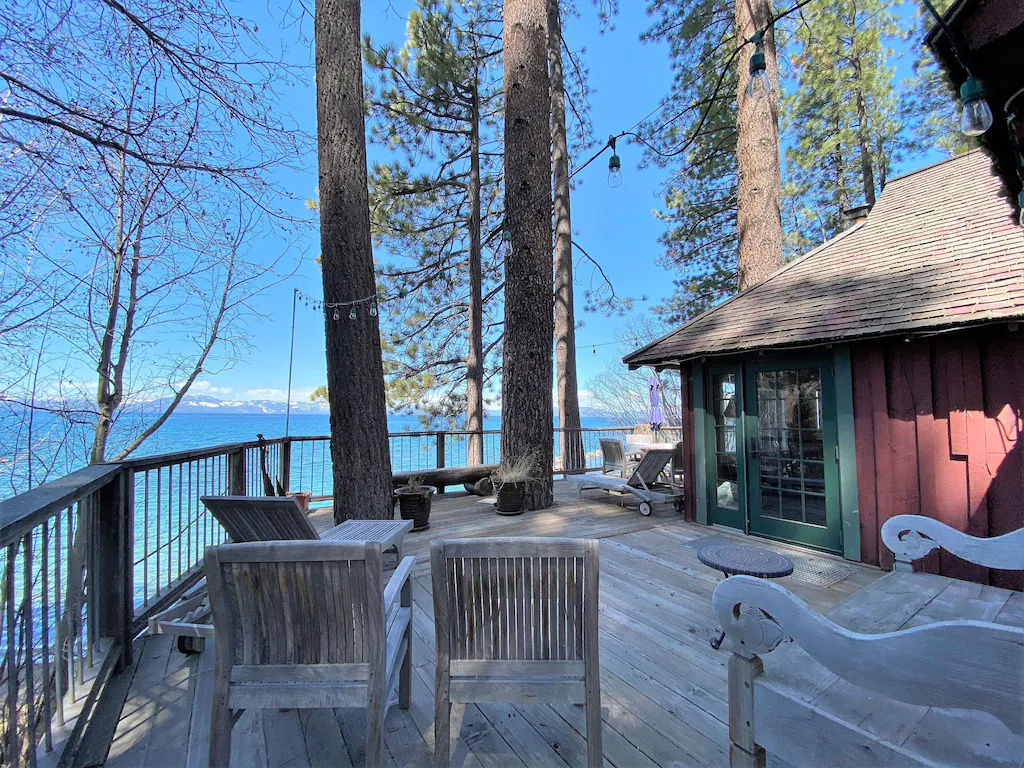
x: 938, y: 425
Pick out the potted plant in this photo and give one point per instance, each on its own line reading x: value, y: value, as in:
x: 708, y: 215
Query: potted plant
x: 414, y: 502
x: 510, y: 479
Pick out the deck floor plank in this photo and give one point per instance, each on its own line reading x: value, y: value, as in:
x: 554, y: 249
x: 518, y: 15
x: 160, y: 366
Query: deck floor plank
x: 663, y: 687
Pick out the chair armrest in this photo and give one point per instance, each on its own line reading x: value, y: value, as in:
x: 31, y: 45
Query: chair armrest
x: 397, y: 581
x: 911, y: 537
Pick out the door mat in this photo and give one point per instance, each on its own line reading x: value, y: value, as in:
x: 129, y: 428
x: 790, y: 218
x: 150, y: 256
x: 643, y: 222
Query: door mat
x: 821, y: 571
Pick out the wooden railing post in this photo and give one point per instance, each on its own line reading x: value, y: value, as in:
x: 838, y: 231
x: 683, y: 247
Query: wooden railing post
x: 236, y: 473
x: 440, y: 455
x: 285, y: 470
x: 115, y: 562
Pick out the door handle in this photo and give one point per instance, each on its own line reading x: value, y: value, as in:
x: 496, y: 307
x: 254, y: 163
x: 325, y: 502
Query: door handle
x: 755, y: 447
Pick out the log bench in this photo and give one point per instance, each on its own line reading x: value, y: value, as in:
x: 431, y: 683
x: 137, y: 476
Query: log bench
x: 445, y: 475
x: 915, y: 669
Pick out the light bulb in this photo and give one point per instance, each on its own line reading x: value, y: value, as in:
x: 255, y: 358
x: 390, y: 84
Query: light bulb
x: 352, y: 313
x: 337, y: 315
x: 1020, y: 207
x: 976, y: 116
x: 373, y: 310
x: 759, y: 85
x: 614, y: 172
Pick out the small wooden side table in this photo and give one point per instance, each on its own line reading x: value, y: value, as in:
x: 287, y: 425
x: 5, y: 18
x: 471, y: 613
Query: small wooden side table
x: 390, y: 534
x: 737, y: 559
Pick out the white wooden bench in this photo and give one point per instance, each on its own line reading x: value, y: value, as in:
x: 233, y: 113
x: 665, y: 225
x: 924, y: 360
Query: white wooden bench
x: 916, y: 669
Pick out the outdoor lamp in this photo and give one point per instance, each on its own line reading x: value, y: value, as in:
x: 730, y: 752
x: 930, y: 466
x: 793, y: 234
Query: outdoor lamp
x: 614, y: 166
x: 760, y: 85
x: 976, y: 116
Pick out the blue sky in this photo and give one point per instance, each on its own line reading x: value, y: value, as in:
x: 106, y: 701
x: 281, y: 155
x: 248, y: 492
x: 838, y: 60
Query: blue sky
x: 616, y: 226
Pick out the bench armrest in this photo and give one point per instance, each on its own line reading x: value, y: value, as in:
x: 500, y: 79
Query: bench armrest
x: 398, y: 579
x: 911, y: 537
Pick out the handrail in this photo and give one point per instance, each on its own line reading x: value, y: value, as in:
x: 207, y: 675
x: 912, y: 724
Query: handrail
x: 21, y: 513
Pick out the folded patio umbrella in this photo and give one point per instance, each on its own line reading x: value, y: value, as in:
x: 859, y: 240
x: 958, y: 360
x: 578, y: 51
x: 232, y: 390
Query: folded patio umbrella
x: 655, y: 417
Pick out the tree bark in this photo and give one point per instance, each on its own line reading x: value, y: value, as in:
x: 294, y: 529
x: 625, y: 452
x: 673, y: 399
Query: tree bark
x: 355, y: 375
x: 759, y: 218
x: 475, y: 359
x: 526, y: 384
x: 570, y: 441
x: 864, y: 139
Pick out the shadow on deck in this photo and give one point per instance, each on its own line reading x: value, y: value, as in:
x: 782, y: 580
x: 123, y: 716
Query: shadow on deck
x: 663, y: 687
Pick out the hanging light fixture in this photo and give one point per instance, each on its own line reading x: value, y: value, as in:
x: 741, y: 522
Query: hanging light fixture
x: 976, y: 115
x: 337, y: 315
x: 760, y: 84
x: 614, y: 166
x: 352, y: 313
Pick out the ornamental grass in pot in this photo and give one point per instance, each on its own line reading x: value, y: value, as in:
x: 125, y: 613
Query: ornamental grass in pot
x: 510, y: 479
x: 414, y: 500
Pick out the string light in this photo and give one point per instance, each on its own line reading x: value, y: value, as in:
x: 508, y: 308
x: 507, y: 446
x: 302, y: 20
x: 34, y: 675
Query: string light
x: 614, y: 166
x: 976, y: 114
x: 760, y: 85
x: 337, y: 306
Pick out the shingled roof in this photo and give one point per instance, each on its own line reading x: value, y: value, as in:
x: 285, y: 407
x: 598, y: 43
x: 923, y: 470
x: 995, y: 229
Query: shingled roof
x: 939, y: 250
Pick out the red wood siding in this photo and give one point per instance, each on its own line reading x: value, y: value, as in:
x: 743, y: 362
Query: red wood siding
x: 938, y: 426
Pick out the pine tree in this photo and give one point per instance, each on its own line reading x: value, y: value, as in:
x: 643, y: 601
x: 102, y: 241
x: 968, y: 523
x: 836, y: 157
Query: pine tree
x: 355, y: 378
x: 437, y: 209
x: 694, y: 135
x: 570, y: 438
x: 844, y: 120
x: 527, y: 413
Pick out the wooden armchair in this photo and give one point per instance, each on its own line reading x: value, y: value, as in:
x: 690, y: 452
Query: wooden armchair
x: 307, y: 624
x: 613, y: 457
x: 516, y: 620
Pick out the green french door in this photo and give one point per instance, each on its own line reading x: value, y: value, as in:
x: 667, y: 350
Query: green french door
x: 724, y: 448
x: 792, y: 473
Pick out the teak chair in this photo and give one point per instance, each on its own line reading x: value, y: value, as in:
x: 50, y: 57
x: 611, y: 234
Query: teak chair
x: 613, y: 457
x: 307, y: 624
x: 516, y: 620
x: 260, y: 518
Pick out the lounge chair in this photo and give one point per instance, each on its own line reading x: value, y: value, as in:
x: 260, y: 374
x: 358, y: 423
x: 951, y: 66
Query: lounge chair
x: 642, y: 482
x: 613, y: 457
x: 516, y: 620
x: 307, y: 624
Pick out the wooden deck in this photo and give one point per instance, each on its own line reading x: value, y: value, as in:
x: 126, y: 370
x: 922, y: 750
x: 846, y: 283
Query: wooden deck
x: 663, y: 687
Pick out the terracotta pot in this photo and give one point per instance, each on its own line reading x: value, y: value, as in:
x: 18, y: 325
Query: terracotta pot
x: 304, y: 498
x: 510, y: 498
x: 414, y: 504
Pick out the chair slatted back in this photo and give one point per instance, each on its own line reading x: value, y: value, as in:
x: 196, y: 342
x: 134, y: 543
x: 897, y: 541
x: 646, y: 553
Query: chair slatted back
x: 298, y: 602
x: 651, y: 466
x: 260, y: 518
x: 516, y: 599
x: 613, y: 452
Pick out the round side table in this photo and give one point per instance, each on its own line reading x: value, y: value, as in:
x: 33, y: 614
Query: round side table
x: 738, y: 559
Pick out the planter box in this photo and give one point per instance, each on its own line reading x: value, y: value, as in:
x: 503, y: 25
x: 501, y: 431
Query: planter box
x: 304, y: 498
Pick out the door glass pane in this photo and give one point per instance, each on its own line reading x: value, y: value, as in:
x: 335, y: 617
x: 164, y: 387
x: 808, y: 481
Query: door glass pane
x: 790, y: 440
x: 723, y: 397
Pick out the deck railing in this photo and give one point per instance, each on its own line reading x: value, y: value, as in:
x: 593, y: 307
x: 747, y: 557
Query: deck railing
x: 86, y: 559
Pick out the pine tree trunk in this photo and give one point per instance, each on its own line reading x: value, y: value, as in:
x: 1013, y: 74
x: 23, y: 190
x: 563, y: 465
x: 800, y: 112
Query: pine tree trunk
x: 527, y: 413
x: 864, y: 139
x: 759, y: 217
x: 355, y: 376
x: 475, y: 359
x: 570, y: 442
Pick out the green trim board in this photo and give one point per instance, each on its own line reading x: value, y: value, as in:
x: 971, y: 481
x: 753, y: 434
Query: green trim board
x: 699, y: 459
x: 849, y: 500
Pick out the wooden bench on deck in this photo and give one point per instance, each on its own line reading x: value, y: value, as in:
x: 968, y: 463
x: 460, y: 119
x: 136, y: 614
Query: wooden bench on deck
x: 915, y: 669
